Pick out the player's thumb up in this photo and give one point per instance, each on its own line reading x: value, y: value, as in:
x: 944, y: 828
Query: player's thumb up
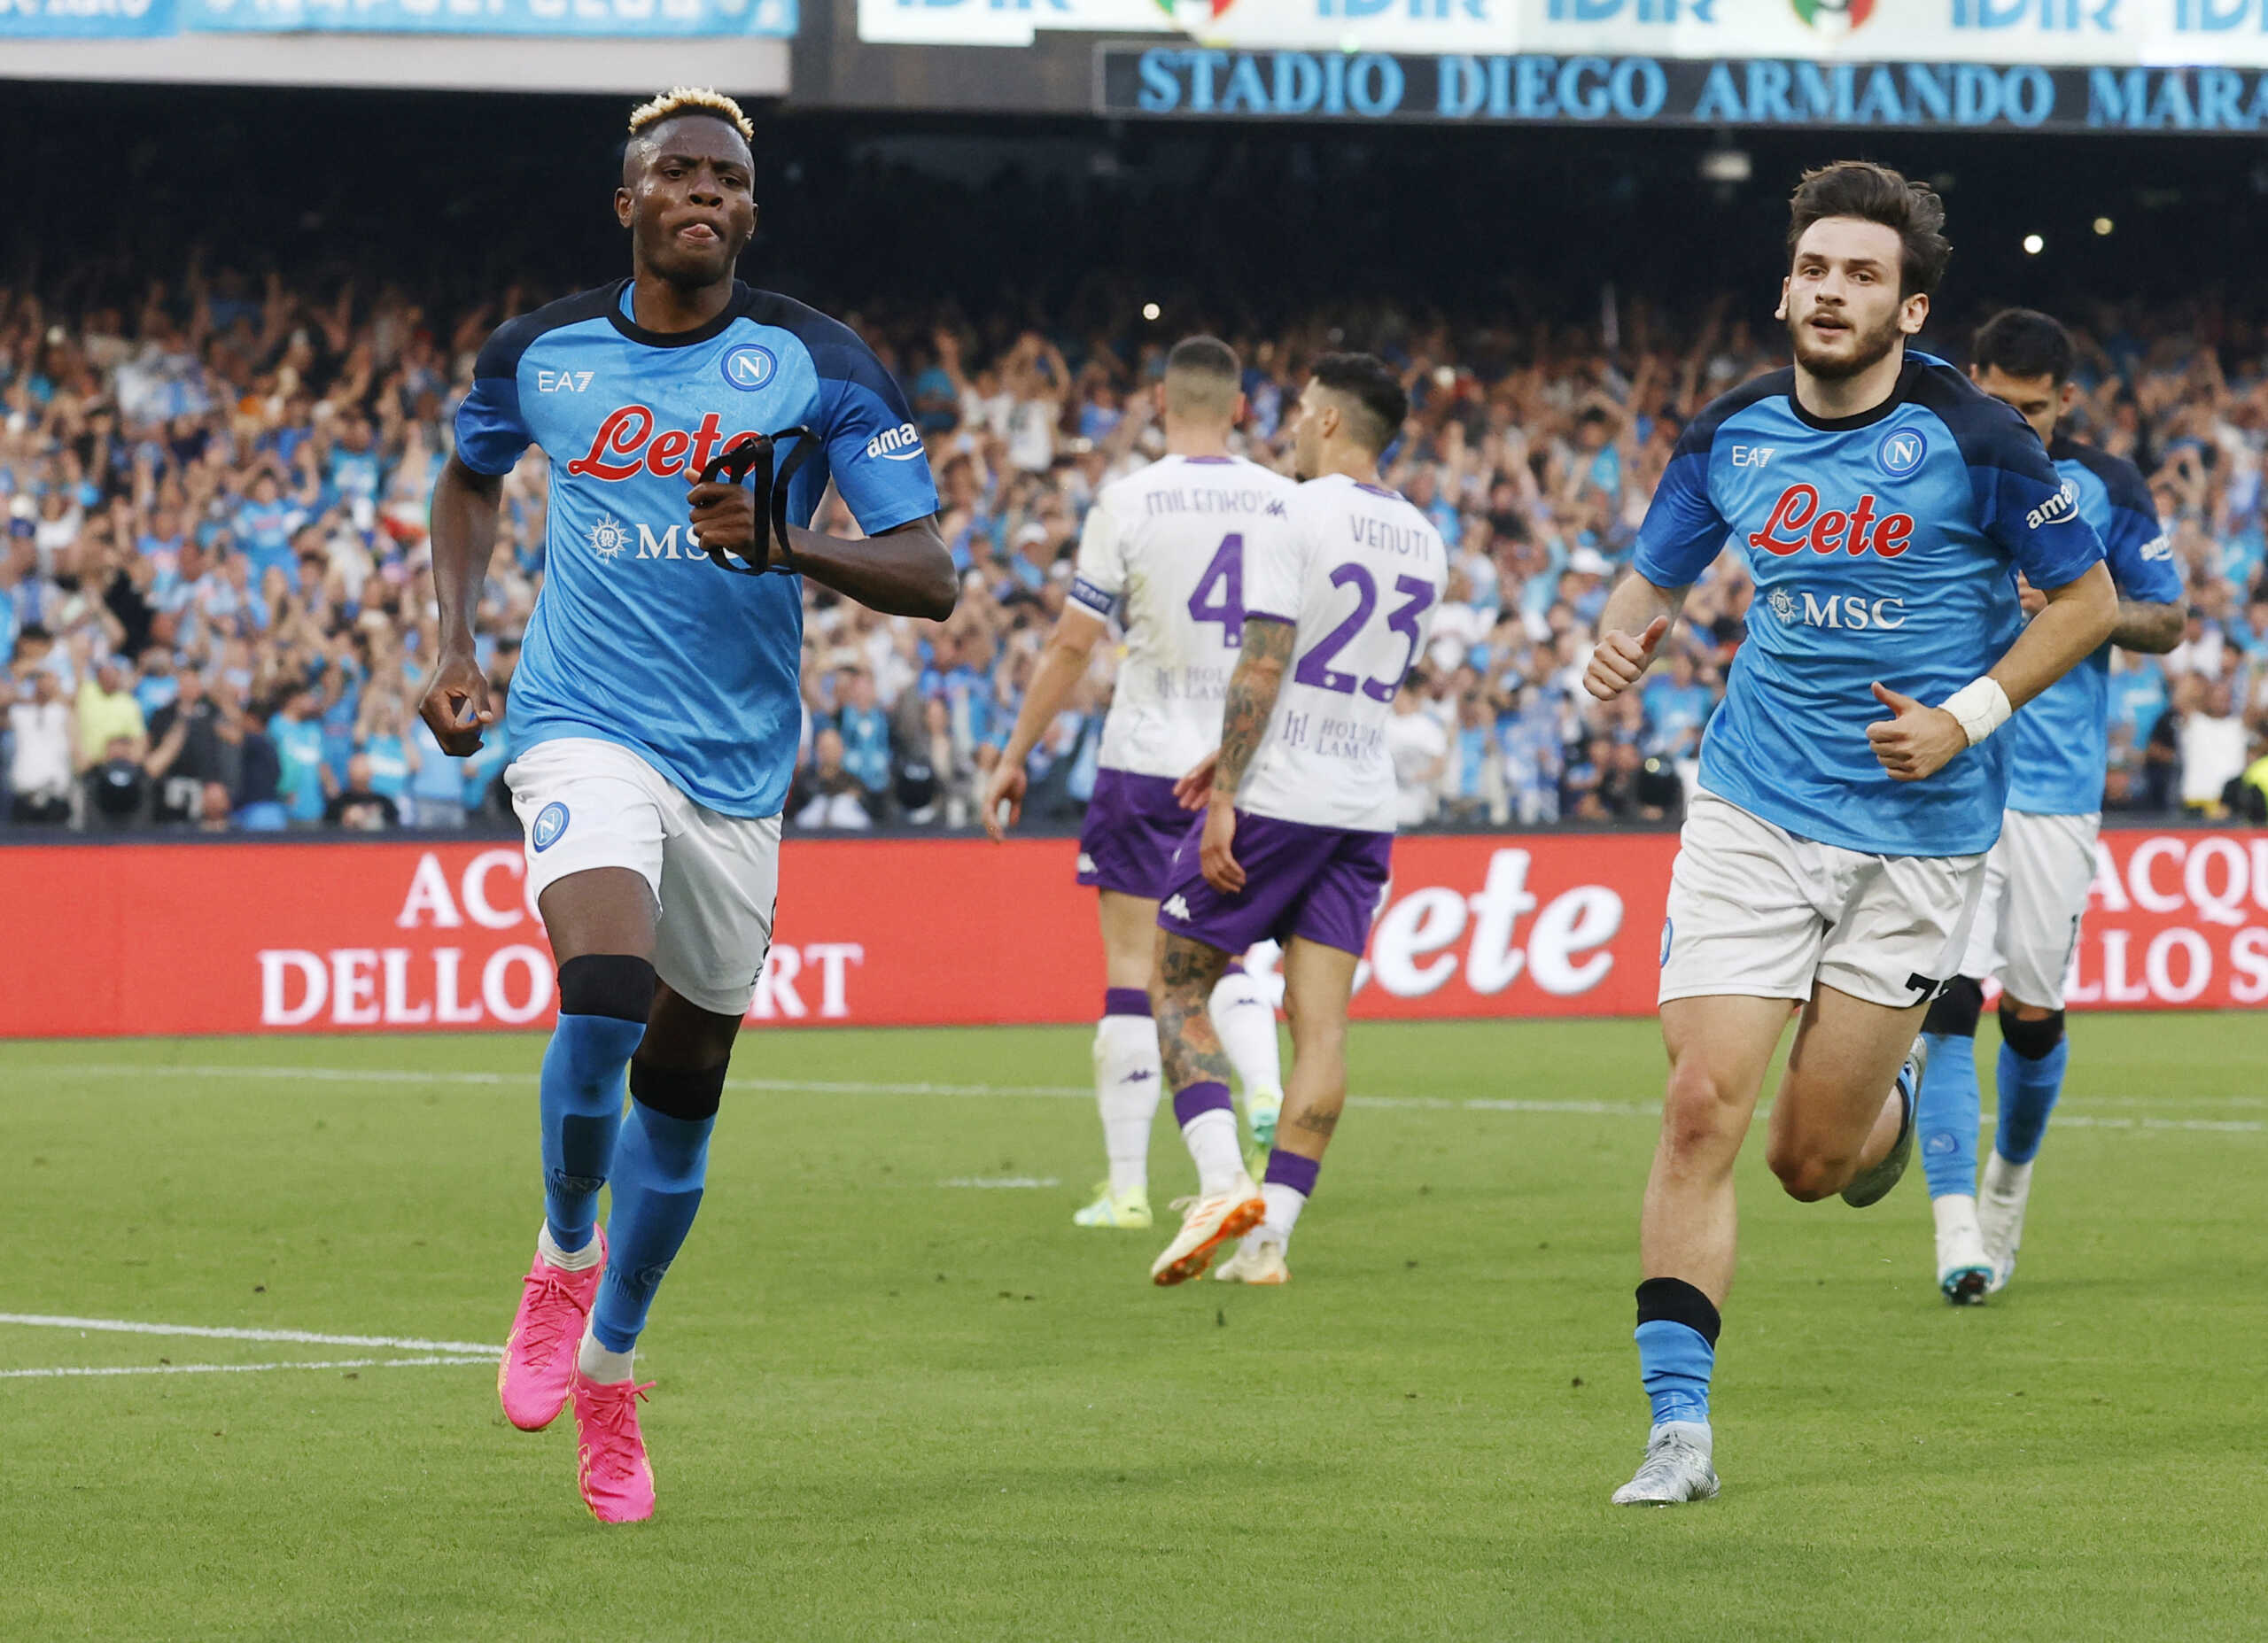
x: 1891, y: 699
x: 1652, y: 636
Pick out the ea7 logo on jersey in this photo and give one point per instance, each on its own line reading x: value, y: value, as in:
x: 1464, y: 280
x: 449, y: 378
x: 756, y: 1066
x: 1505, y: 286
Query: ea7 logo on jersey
x: 1751, y: 455
x: 901, y: 444
x: 1798, y: 522
x: 563, y: 381
x: 1850, y: 611
x: 2063, y: 505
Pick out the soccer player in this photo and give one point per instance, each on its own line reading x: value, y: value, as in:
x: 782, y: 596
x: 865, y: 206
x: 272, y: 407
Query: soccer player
x: 1298, y: 803
x: 1167, y: 547
x: 654, y: 714
x: 2037, y: 877
x: 1879, y: 498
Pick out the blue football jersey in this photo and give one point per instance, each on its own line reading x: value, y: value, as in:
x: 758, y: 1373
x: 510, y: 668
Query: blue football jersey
x: 637, y: 638
x: 1881, y: 545
x: 2059, y: 743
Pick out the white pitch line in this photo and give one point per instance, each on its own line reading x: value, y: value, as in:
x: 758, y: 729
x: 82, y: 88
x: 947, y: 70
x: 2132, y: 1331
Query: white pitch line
x: 998, y: 1183
x: 297, y: 1337
x: 234, y: 1368
x: 1053, y: 1092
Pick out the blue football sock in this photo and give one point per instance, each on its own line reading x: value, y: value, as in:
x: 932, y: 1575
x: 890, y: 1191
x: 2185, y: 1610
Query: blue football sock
x: 1948, y: 1115
x: 581, y: 1105
x: 2028, y: 1092
x: 1675, y: 1362
x: 659, y: 1167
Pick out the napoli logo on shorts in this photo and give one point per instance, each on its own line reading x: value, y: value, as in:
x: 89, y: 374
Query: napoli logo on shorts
x: 750, y: 366
x: 550, y: 822
x: 1901, y: 451
x: 1667, y: 928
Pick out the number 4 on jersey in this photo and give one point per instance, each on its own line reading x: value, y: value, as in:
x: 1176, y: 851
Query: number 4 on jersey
x: 1220, y: 591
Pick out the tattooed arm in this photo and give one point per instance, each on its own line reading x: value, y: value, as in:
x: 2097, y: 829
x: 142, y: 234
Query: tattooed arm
x: 1252, y: 687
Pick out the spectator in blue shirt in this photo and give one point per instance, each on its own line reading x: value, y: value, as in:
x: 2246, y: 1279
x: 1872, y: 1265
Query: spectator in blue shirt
x: 1677, y: 706
x: 865, y: 729
x: 305, y: 783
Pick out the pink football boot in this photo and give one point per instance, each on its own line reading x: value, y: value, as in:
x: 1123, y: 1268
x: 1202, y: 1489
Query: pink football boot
x: 538, y: 1363
x: 610, y: 1465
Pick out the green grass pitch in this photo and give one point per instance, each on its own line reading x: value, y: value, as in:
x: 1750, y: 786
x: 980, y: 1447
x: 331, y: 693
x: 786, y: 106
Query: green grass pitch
x: 890, y: 1407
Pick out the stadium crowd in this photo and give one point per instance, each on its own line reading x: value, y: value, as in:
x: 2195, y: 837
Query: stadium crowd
x: 216, y: 610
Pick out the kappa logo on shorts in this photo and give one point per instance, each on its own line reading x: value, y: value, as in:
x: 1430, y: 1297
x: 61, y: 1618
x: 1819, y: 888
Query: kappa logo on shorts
x: 550, y: 822
x: 1176, y: 908
x: 1086, y: 862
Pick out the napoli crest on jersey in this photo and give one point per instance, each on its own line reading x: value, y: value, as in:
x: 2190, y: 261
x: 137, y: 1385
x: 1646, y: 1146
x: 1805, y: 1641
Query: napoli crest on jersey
x: 550, y: 822
x: 1901, y: 451
x: 748, y: 367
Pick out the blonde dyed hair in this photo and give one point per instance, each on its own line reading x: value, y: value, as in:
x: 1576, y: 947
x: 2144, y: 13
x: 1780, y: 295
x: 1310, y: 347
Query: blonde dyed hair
x: 690, y: 100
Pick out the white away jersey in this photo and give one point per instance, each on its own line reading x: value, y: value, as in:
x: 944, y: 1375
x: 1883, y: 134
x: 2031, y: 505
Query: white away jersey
x: 1169, y: 548
x: 1359, y: 572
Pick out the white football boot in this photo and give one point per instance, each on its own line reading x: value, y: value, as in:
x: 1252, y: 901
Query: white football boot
x: 1258, y: 1259
x: 1206, y: 1224
x: 1676, y: 1468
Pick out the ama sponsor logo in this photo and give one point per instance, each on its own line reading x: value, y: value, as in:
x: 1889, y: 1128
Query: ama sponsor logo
x: 1799, y: 520
x: 901, y: 444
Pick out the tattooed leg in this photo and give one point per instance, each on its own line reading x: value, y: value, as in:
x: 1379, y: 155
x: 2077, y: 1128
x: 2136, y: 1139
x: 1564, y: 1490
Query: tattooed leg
x: 1181, y: 993
x: 1319, y: 981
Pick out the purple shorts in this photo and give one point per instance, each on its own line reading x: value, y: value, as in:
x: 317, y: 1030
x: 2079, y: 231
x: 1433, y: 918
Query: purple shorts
x: 1323, y: 883
x: 1133, y: 824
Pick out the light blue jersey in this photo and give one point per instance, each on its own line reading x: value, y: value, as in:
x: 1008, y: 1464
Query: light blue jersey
x: 2059, y: 744
x: 1881, y: 545
x: 637, y: 638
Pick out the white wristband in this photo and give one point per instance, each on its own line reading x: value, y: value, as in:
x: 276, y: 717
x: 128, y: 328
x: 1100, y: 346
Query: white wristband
x: 1981, y: 706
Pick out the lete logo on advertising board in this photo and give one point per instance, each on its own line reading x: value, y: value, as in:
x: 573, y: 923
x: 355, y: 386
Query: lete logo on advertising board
x: 104, y: 939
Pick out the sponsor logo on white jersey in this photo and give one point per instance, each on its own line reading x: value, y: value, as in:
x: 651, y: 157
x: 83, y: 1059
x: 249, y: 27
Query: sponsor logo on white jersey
x: 901, y: 444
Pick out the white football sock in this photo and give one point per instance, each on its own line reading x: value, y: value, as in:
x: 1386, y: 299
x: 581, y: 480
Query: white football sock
x: 1127, y: 1081
x: 2004, y: 1180
x: 567, y: 1260
x: 601, y: 1365
x: 1285, y: 1202
x: 1212, y: 1138
x: 1246, y: 1024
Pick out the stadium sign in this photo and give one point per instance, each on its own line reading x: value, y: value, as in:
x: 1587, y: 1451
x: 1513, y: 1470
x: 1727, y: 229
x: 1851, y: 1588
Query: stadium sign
x: 105, y: 940
x: 2142, y: 32
x: 1202, y: 83
x: 642, y: 19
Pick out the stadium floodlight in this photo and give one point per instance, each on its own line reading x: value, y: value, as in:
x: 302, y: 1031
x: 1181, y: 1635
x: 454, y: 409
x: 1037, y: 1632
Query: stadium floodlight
x: 2033, y: 244
x: 2102, y: 225
x: 1149, y: 310
x: 1725, y: 165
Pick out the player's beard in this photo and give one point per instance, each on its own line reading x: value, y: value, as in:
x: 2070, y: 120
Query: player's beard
x: 1869, y: 349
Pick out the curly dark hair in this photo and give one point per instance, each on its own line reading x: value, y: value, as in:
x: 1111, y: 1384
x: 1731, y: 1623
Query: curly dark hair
x: 1859, y: 188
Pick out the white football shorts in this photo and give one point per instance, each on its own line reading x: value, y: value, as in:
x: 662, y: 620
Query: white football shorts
x: 1755, y: 912
x: 586, y: 803
x: 2036, y: 884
